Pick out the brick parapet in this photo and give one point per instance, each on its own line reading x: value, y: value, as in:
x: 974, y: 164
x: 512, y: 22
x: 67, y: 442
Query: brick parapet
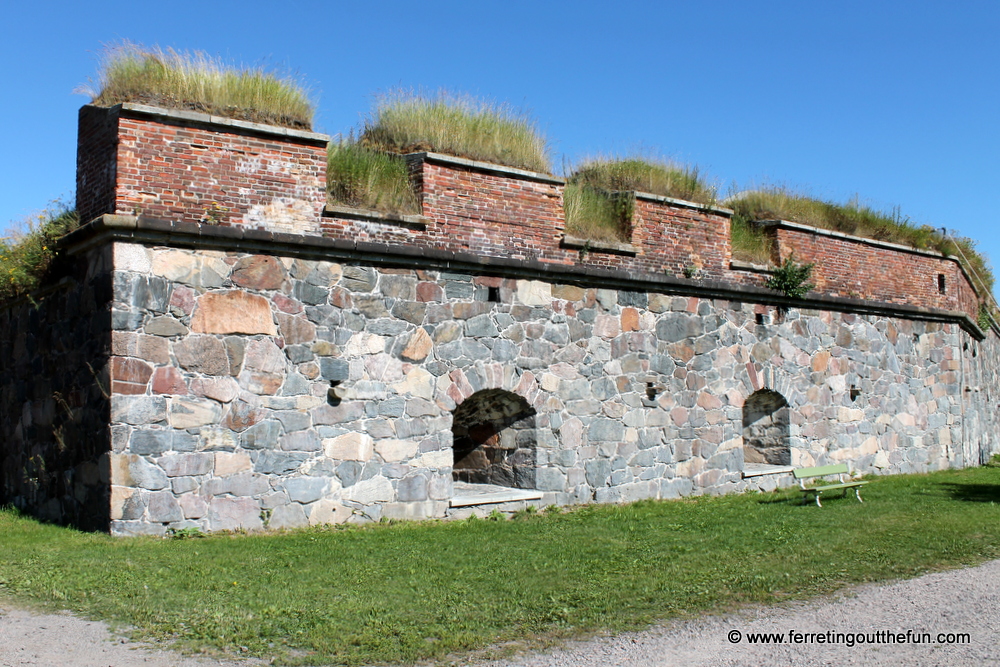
x: 198, y: 168
x: 855, y: 267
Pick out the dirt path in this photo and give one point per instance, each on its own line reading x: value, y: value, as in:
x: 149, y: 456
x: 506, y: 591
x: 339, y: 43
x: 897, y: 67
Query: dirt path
x: 61, y: 640
x: 960, y: 601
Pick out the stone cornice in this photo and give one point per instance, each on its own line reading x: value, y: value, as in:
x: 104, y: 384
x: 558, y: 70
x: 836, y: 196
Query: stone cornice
x: 487, y: 167
x: 218, y: 123
x: 130, y: 229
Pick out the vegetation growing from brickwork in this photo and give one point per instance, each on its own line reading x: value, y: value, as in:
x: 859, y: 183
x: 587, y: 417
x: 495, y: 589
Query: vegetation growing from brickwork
x: 791, y: 279
x: 596, y: 206
x: 408, y: 122
x: 365, y: 178
x: 596, y: 214
x: 776, y: 203
x: 749, y: 242
x: 411, y: 592
x: 26, y: 256
x: 657, y: 177
x: 195, y: 80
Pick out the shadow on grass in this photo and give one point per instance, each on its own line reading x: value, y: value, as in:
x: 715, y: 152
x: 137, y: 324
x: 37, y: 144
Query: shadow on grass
x: 780, y: 498
x: 977, y: 493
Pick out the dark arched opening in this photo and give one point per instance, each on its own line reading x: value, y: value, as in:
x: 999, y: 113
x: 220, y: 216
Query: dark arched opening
x: 766, y: 429
x: 494, y: 440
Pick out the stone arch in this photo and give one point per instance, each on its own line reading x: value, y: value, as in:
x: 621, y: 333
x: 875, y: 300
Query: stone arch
x: 494, y: 440
x: 766, y: 429
x: 462, y: 383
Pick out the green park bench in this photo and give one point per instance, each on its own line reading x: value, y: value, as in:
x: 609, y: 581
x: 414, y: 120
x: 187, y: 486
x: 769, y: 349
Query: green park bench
x: 840, y: 469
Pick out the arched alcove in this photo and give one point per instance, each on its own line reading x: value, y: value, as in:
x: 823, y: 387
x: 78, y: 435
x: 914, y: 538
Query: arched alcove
x: 494, y: 440
x: 766, y: 429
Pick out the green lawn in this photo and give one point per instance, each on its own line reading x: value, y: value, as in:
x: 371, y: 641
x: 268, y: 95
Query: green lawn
x: 411, y: 591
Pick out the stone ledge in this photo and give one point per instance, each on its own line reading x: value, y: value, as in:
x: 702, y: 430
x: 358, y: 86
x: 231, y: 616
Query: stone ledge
x: 468, y: 495
x: 412, y: 221
x: 188, y: 116
x: 820, y: 231
x: 166, y: 232
x: 740, y: 265
x: 759, y: 470
x: 648, y: 196
x: 588, y: 245
x: 489, y: 167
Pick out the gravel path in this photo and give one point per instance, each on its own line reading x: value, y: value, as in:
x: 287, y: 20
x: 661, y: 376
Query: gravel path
x: 61, y: 640
x: 960, y: 601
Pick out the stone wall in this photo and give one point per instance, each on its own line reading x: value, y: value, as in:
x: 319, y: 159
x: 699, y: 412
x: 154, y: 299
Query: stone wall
x: 242, y: 355
x: 292, y: 391
x: 54, y: 430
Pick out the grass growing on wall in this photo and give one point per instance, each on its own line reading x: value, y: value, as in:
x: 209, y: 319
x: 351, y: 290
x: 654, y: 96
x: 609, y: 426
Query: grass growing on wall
x: 857, y: 219
x: 26, y: 256
x: 409, y: 592
x: 195, y: 80
x: 404, y: 122
x: 364, y: 178
x: 596, y: 204
x: 749, y: 242
x: 657, y: 177
x: 597, y: 215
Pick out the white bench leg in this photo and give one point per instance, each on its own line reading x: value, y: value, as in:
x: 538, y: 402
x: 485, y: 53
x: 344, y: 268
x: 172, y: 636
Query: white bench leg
x: 857, y: 492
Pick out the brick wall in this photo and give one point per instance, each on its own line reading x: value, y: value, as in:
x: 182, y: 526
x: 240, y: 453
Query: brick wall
x: 856, y: 268
x: 675, y: 237
x: 192, y: 167
x: 96, y: 162
x: 195, y: 168
x: 483, y: 212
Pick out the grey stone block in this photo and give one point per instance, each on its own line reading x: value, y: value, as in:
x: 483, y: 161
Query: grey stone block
x: 163, y: 508
x: 150, y: 442
x: 597, y: 471
x: 604, y: 430
x: 332, y: 369
x: 278, y: 463
x: 550, y: 479
x: 413, y: 488
x: 288, y: 516
x: 306, y: 489
x: 261, y: 436
x: 301, y: 441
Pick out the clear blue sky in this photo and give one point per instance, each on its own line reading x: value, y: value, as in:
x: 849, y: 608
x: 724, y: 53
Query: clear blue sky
x: 896, y: 102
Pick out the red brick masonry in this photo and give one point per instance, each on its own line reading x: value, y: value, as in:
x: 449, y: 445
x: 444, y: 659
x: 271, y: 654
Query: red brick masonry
x: 191, y: 167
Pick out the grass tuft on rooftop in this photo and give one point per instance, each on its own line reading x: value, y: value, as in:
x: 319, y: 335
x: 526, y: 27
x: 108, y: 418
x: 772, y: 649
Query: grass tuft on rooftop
x: 654, y: 176
x: 26, y: 255
x: 365, y: 178
x: 194, y: 80
x: 598, y: 201
x: 463, y: 126
x: 778, y: 203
